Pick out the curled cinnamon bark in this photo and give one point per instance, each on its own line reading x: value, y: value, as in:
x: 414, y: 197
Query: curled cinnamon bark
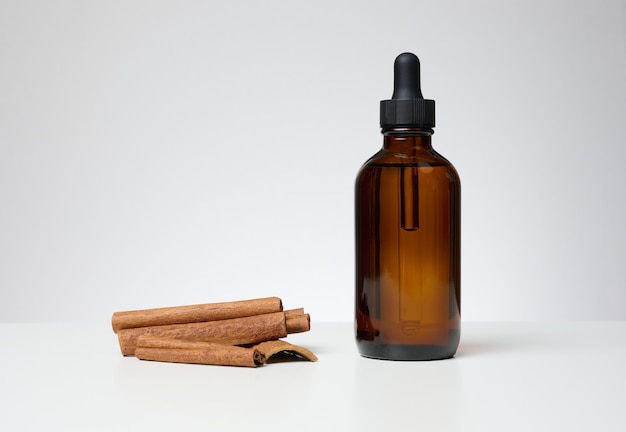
x: 271, y: 348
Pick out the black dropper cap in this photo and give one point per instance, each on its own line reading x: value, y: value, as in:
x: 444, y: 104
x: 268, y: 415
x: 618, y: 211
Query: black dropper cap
x: 407, y: 107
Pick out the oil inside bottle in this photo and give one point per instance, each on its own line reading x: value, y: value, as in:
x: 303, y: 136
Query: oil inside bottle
x: 407, y: 246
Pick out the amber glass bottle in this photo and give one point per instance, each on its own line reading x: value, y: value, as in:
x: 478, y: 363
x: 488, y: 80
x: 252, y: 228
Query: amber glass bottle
x: 407, y: 234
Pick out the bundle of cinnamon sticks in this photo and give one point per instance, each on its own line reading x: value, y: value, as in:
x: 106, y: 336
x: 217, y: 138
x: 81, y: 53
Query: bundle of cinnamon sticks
x: 238, y: 333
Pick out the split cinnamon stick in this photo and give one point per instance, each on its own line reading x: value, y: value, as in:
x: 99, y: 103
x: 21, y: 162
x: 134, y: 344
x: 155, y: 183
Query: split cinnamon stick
x: 176, y: 351
x: 194, y: 313
x: 237, y: 331
x: 271, y: 348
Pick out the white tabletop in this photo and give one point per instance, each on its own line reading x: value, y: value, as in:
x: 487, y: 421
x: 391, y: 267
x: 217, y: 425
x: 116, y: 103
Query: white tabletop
x: 552, y: 376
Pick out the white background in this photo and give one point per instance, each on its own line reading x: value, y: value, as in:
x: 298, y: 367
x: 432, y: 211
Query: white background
x: 155, y: 153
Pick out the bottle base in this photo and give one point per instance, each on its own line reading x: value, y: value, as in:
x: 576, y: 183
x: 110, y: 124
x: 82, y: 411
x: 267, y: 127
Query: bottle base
x: 405, y: 352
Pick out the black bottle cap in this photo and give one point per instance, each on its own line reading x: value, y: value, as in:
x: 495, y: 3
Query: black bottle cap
x: 407, y: 107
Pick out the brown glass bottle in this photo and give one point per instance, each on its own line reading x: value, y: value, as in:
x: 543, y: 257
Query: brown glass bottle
x: 408, y: 248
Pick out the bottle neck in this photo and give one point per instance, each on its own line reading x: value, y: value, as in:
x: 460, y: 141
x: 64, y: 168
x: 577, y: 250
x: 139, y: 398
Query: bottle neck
x: 407, y: 140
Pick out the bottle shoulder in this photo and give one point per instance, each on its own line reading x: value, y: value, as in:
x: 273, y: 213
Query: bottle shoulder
x: 385, y: 162
x: 428, y: 158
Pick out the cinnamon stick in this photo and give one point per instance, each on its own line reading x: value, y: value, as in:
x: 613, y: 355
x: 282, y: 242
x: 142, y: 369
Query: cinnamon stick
x: 176, y: 351
x: 236, y: 331
x: 298, y: 323
x: 294, y: 312
x: 194, y: 313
